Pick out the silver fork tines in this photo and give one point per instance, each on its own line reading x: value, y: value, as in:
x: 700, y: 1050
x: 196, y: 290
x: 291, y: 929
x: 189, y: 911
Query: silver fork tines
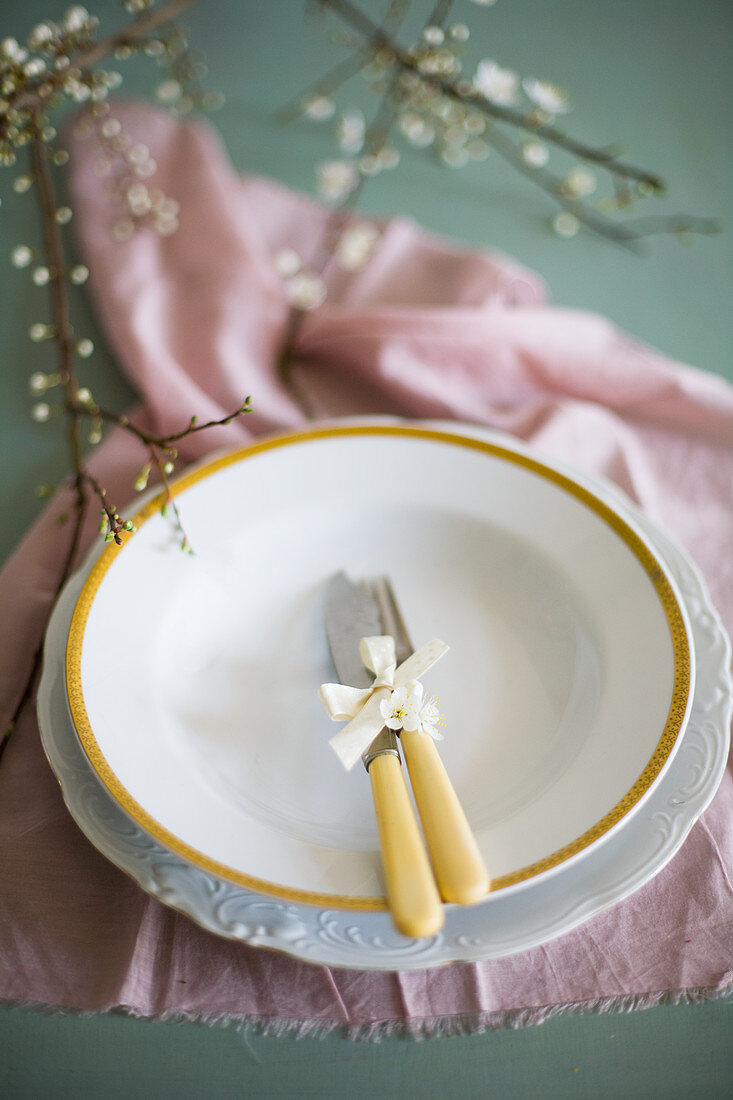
x: 392, y: 621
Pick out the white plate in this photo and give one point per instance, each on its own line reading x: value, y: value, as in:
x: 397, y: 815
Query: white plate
x: 506, y: 922
x: 568, y: 685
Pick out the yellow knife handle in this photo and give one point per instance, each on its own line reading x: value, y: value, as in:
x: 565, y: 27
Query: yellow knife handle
x: 457, y: 862
x: 412, y: 895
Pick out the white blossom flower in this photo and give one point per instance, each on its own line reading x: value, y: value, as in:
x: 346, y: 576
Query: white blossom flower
x: 356, y: 245
x: 417, y: 131
x: 398, y: 711
x: 76, y: 19
x: 535, y: 154
x: 499, y: 85
x: 305, y: 290
x: 34, y: 67
x: 454, y: 156
x: 13, y: 51
x: 369, y: 165
x: 76, y: 90
x: 351, y: 129
x: 286, y: 261
x: 430, y: 718
x: 319, y: 107
x: 565, y: 224
x: 459, y: 32
x: 41, y: 35
x: 21, y: 256
x: 435, y: 36
x: 548, y: 97
x: 388, y: 157
x: 336, y: 179
x: 408, y: 708
x: 38, y: 382
x: 579, y: 182
x: 168, y: 91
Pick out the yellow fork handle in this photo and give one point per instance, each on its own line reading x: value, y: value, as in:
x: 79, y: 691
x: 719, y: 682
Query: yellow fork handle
x: 412, y: 895
x: 457, y: 862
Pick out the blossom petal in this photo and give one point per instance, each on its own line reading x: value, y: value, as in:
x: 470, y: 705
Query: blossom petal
x: 548, y: 97
x: 429, y: 713
x: 415, y: 692
x: 385, y: 708
x: 394, y: 722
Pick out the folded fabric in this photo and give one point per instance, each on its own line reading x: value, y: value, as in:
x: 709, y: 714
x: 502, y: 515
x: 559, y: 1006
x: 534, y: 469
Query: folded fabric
x: 425, y: 329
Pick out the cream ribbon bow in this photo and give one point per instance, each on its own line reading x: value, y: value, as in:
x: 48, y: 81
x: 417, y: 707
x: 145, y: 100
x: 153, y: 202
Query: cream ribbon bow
x: 359, y: 707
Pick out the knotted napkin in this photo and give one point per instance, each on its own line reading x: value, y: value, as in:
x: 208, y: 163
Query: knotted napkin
x: 424, y: 330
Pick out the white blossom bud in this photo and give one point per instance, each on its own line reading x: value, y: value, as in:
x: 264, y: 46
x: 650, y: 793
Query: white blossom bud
x: 168, y: 91
x: 319, y: 108
x: 286, y: 261
x: 38, y: 382
x: 41, y: 35
x: 34, y: 67
x: 21, y: 256
x: 565, y: 224
x: 306, y: 290
x: 76, y: 19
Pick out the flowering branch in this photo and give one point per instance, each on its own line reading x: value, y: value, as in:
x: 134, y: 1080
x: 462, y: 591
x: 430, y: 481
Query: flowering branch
x: 56, y: 268
x: 162, y: 456
x: 429, y: 73
x: 38, y: 89
x: 78, y: 403
x: 466, y: 94
x: 309, y: 284
x: 29, y: 87
x: 422, y: 91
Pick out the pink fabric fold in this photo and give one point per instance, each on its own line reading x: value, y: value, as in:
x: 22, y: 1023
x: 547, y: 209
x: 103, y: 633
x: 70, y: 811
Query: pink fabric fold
x: 196, y: 320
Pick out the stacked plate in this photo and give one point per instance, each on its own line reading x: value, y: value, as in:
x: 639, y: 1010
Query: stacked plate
x: 586, y: 695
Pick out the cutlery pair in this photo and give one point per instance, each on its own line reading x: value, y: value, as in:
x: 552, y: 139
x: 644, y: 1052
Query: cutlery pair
x: 454, y: 871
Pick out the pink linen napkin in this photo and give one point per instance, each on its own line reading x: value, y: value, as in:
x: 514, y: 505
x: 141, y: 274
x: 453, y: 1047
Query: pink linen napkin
x: 426, y: 329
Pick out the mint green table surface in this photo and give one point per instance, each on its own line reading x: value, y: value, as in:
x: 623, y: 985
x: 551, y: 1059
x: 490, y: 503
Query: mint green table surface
x: 653, y: 74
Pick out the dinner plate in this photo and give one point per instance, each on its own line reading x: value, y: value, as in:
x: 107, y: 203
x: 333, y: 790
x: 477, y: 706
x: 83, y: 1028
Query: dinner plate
x: 507, y: 921
x: 192, y: 680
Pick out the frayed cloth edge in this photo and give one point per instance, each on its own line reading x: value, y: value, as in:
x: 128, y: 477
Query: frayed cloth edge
x: 423, y: 1027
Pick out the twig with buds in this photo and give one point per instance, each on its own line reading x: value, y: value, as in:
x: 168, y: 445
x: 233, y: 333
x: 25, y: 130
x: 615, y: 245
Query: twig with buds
x: 432, y: 96
x: 66, y: 66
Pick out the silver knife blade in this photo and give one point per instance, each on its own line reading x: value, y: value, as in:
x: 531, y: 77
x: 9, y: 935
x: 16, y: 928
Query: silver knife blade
x: 351, y: 613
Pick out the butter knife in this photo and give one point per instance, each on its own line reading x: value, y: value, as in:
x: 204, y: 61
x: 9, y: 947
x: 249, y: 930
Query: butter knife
x: 457, y: 862
x: 351, y: 613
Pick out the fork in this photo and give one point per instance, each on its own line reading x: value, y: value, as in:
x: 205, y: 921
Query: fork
x: 457, y: 862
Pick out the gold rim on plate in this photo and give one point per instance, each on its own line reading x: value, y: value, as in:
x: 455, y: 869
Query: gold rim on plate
x: 656, y: 575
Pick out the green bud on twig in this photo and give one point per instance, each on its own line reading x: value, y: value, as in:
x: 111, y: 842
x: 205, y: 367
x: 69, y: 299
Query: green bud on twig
x: 141, y: 481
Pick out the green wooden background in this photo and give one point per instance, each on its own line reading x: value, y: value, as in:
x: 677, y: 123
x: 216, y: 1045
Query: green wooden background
x: 651, y: 74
